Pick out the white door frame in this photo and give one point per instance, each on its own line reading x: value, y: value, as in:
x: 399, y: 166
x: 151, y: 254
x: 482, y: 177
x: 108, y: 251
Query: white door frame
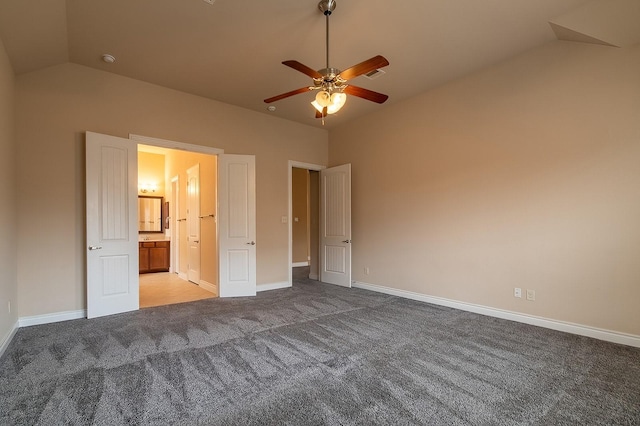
x: 299, y: 165
x: 180, y: 146
x: 173, y: 229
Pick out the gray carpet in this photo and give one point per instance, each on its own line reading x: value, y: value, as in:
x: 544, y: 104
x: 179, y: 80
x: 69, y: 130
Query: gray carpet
x: 310, y: 355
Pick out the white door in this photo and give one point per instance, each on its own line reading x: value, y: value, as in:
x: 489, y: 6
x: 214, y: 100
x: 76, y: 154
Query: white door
x: 335, y: 225
x: 237, y: 224
x: 193, y: 224
x: 112, y: 225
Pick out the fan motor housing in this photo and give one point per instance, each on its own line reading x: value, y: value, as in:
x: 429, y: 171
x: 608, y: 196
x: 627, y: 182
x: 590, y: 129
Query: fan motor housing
x: 329, y: 74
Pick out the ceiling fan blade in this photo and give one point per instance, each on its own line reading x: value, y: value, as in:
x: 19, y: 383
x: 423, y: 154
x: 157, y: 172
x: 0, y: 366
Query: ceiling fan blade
x: 286, y: 95
x: 303, y: 69
x: 367, y: 94
x: 364, y: 67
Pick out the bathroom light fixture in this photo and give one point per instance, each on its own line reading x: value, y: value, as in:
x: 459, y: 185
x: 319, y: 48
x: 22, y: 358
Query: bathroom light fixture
x: 146, y: 187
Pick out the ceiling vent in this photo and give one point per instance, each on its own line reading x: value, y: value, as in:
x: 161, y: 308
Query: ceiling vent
x: 374, y: 74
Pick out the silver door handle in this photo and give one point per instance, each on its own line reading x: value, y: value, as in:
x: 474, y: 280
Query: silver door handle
x: 95, y: 247
x: 252, y: 243
x: 347, y: 241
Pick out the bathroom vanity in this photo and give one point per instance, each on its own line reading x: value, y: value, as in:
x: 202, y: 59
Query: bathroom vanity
x: 154, y: 256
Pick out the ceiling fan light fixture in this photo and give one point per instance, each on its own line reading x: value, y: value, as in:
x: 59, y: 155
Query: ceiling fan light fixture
x: 333, y: 102
x: 337, y: 100
x: 330, y: 82
x: 323, y: 98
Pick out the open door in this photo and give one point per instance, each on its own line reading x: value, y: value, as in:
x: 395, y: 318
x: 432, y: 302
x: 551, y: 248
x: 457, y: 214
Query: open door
x: 112, y: 227
x: 237, y: 224
x: 193, y: 224
x: 335, y: 225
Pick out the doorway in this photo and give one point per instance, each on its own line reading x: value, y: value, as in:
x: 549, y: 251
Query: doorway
x: 304, y: 220
x: 177, y: 178
x: 112, y: 223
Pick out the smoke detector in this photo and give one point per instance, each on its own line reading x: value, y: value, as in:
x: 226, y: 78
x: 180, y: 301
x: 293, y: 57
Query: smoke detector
x: 108, y: 58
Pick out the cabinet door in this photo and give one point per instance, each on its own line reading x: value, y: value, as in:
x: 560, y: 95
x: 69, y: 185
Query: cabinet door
x: 143, y: 259
x: 156, y: 258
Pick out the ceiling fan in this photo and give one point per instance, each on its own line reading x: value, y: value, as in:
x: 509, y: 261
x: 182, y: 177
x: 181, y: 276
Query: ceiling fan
x: 331, y: 82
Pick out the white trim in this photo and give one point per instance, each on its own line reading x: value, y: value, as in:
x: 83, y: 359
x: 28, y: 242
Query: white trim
x: 206, y: 285
x: 50, y: 318
x: 567, y: 327
x: 183, y: 276
x: 272, y: 286
x: 181, y: 146
x: 301, y: 165
x: 174, y: 262
x: 298, y: 264
x: 4, y: 343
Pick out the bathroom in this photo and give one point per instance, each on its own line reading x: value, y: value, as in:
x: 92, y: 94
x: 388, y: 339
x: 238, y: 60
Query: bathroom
x: 178, y: 259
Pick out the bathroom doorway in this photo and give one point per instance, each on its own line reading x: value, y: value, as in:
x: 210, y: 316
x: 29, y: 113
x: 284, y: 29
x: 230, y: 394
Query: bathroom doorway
x: 167, y: 171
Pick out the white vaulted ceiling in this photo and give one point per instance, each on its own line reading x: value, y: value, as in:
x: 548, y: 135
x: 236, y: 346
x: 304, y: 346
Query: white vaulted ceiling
x: 232, y: 50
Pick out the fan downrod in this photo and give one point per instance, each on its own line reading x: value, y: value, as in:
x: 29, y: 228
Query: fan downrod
x: 327, y: 6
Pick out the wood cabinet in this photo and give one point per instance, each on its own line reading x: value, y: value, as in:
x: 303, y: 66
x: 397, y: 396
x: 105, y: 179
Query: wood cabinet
x: 154, y: 256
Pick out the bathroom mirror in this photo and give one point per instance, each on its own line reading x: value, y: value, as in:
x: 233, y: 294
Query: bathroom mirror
x: 150, y: 214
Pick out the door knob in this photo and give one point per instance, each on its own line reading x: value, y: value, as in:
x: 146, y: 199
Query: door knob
x: 95, y: 248
x: 252, y: 243
x: 347, y: 241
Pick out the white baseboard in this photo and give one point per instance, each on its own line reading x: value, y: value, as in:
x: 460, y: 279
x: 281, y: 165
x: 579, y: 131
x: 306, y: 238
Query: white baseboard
x: 183, y: 276
x: 272, y: 286
x: 313, y: 276
x: 209, y: 287
x: 49, y: 318
x: 8, y: 337
x: 298, y: 264
x: 567, y: 327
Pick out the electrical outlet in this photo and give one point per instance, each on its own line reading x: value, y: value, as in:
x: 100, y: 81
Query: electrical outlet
x: 366, y: 270
x: 531, y: 295
x: 284, y: 219
x: 517, y: 292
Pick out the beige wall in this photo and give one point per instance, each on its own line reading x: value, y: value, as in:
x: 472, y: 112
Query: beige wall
x: 8, y: 210
x: 524, y: 175
x: 300, y: 211
x: 55, y: 106
x: 151, y: 172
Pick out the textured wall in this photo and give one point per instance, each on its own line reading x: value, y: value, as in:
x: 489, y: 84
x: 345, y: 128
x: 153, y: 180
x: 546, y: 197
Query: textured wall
x: 523, y: 175
x: 55, y: 106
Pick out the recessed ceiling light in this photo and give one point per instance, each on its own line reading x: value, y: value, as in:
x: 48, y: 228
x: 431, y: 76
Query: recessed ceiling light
x: 271, y: 108
x: 108, y: 58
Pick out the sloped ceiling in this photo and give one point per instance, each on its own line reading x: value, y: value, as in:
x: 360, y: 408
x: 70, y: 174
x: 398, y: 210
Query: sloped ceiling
x: 231, y: 50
